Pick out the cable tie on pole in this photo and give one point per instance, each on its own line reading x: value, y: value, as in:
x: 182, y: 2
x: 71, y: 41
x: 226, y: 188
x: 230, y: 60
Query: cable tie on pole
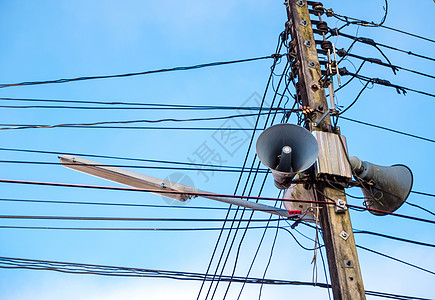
x: 366, y: 41
x: 276, y: 56
x: 343, y: 71
x: 341, y: 52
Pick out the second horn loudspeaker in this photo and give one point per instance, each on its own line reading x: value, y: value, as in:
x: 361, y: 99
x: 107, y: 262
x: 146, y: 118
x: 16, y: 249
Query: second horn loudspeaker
x: 286, y: 149
x: 385, y: 189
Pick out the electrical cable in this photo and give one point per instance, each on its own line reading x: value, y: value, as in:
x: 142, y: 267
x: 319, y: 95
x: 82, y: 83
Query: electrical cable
x: 118, y: 158
x: 122, y: 228
x: 146, y: 105
x: 125, y: 105
x: 267, y: 265
x: 258, y: 250
x: 388, y: 129
x: 396, y: 259
x: 286, y: 68
x: 264, y: 180
x: 278, y: 49
x: 420, y: 207
x: 154, y: 190
x: 350, y: 80
x: 113, y: 204
x: 162, y: 128
x: 381, y: 63
x: 367, y: 24
x: 393, y: 237
x: 356, y: 99
x: 105, y: 270
x: 247, y: 180
x: 26, y: 126
x: 205, y: 194
x: 283, y: 75
x: 373, y: 43
x: 384, y: 82
x: 423, y: 193
x: 75, y: 218
x: 324, y: 269
x: 65, y: 80
x: 330, y: 12
x: 216, y: 168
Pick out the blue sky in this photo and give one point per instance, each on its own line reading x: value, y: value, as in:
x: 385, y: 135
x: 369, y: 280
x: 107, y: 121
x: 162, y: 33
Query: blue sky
x: 61, y: 39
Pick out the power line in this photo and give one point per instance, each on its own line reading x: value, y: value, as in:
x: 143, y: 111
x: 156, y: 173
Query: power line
x: 113, y: 204
x: 255, y: 256
x: 355, y: 21
x: 75, y: 218
x: 162, y: 128
x: 420, y: 207
x: 408, y: 33
x: 104, y: 270
x: 384, y: 82
x: 373, y: 43
x: 216, y: 168
x: 26, y: 126
x: 423, y: 193
x: 123, y: 105
x: 388, y: 129
x: 278, y: 49
x: 393, y: 237
x: 356, y: 99
x: 205, y: 194
x: 283, y: 75
x: 65, y: 80
x: 396, y: 259
x: 178, y: 229
x: 151, y: 190
x: 343, y: 53
x: 286, y: 69
x: 120, y: 158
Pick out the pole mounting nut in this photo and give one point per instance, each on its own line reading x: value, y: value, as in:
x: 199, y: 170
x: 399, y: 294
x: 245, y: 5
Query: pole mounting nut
x: 348, y: 263
x: 308, y: 43
x: 304, y: 23
x: 300, y: 3
x: 314, y: 87
x: 340, y: 206
x: 344, y: 235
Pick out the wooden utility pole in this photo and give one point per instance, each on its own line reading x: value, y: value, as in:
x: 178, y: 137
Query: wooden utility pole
x: 338, y: 237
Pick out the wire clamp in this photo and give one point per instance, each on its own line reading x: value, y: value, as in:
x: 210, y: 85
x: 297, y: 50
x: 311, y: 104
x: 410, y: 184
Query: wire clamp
x: 340, y: 206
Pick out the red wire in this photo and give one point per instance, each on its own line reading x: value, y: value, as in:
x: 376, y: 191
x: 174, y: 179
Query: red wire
x: 157, y: 191
x: 207, y: 194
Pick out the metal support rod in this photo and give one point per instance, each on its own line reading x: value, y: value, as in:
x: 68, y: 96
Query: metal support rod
x: 340, y: 247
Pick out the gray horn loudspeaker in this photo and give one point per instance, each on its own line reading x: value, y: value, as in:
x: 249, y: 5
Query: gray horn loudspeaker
x: 286, y: 149
x: 386, y: 188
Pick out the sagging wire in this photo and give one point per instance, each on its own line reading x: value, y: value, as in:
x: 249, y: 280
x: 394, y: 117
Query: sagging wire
x: 185, y: 68
x: 278, y: 49
x: 252, y: 185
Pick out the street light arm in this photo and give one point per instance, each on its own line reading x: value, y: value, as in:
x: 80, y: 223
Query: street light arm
x: 159, y: 186
x: 129, y: 178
